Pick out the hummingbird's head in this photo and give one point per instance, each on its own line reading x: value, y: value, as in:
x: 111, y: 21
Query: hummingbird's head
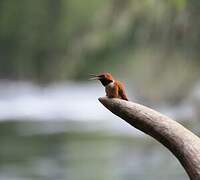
x: 105, y: 78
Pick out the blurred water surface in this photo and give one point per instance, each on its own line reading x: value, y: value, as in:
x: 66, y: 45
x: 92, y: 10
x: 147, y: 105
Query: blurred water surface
x: 55, y: 133
x: 26, y: 153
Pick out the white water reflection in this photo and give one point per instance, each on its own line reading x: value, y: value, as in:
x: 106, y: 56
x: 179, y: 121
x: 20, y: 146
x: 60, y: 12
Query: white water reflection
x: 72, y: 102
x: 23, y: 100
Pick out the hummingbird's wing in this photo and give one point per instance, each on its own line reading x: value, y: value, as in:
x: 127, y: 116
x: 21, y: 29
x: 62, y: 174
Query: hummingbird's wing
x: 122, y: 92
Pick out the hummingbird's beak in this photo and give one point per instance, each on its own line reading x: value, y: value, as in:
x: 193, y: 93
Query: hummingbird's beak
x: 94, y: 77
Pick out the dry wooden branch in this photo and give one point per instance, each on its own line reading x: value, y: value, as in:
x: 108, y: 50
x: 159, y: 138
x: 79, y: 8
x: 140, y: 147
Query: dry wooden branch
x: 180, y: 141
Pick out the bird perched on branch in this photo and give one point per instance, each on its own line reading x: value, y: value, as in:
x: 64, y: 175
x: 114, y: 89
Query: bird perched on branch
x: 113, y: 88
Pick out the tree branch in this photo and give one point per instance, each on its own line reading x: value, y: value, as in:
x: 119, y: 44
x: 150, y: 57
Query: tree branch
x: 180, y: 141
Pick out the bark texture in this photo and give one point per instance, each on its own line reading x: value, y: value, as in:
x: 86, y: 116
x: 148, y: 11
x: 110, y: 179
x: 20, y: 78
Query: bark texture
x: 180, y: 141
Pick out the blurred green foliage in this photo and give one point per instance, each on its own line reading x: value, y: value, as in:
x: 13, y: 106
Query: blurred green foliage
x: 68, y: 39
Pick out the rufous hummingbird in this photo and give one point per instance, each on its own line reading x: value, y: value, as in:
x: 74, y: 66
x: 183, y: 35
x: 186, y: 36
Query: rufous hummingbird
x: 113, y: 88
